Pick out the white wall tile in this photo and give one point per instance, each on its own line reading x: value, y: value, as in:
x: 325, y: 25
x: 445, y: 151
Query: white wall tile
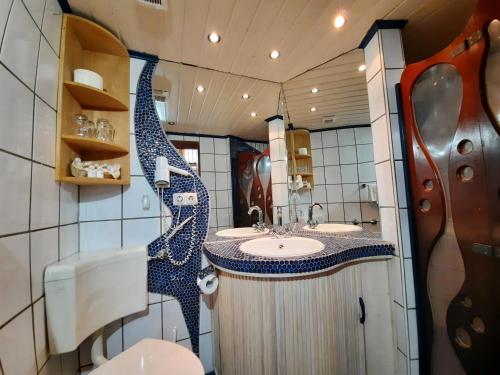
x: 373, y: 57
x: 363, y: 135
x: 366, y: 172
x: 220, y: 146
x: 17, y: 346
x: 206, y: 352
x: 347, y: 155
x: 44, y: 133
x: 14, y: 275
x: 221, y: 181
x: 208, y: 179
x: 346, y: 137
x: 69, y: 361
x: 4, y: 14
x: 329, y: 138
x: 36, y: 8
x: 399, y: 318
x: 52, y: 367
x: 47, y: 74
x: 334, y: 193
x: 135, y: 165
x: 319, y: 175
x: 68, y: 209
x: 317, y: 156
x: 220, y: 163
x: 393, y: 48
x: 68, y: 240
x: 389, y: 225
x: 100, y: 235
x: 41, y: 339
x: 136, y: 66
x: 222, y: 199
x: 133, y: 99
x: 319, y: 194
x: 44, y: 251
x: 413, y: 333
x: 207, y: 163
x: 414, y: 367
x: 145, y: 324
x: 352, y: 211
x: 276, y: 130
x: 409, y: 284
x: 350, y: 193
x: 279, y: 172
x: 15, y: 197
x: 365, y: 152
x: 316, y: 141
x: 113, y: 336
x: 400, y: 183
x: 205, y: 314
x: 376, y: 97
x: 44, y: 198
x: 52, y: 21
x: 133, y: 196
x: 380, y: 131
x: 206, y: 145
x: 140, y: 231
x: 349, y: 173
x: 396, y: 281
x: 16, y: 102
x: 405, y: 233
x: 392, y: 77
x: 100, y: 202
x: 332, y: 175
x: 396, y: 137
x: 331, y: 156
x: 402, y: 364
x: 336, y: 212
x: 384, y: 184
x: 173, y: 319
x: 20, y: 45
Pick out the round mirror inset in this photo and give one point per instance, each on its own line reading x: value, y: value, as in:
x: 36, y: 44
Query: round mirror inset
x: 428, y: 185
x: 465, y: 147
x: 462, y: 338
x: 467, y: 302
x: 425, y: 205
x: 465, y: 173
x: 478, y: 325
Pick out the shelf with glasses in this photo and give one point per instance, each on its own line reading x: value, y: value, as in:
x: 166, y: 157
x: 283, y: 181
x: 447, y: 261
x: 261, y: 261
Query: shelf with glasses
x: 91, y: 98
x: 300, y: 139
x: 81, y: 144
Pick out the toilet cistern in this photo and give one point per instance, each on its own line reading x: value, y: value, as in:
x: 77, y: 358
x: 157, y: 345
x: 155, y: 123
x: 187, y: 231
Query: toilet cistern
x: 260, y: 224
x: 313, y: 223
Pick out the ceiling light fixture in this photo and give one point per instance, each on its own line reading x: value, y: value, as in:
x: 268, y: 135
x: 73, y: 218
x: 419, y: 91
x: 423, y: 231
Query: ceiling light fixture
x: 339, y: 21
x: 274, y: 54
x: 313, y: 109
x: 200, y: 88
x: 362, y: 68
x: 314, y: 90
x: 253, y: 114
x: 245, y: 96
x: 214, y: 38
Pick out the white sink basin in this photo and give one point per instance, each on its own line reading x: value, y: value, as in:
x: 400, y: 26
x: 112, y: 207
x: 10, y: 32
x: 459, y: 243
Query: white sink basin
x: 282, y: 247
x: 334, y: 228
x: 241, y: 232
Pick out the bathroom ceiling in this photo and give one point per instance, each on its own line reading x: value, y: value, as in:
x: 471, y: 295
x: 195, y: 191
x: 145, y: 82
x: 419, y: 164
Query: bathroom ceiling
x: 220, y: 108
x: 301, y: 30
x: 342, y: 92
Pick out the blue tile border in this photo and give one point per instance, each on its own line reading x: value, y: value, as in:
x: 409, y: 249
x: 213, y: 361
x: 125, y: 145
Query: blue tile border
x: 164, y: 277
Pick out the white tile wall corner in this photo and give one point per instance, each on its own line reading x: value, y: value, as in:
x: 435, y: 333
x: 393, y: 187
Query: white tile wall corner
x: 402, y: 364
x: 405, y: 233
x: 396, y: 137
x: 4, y: 14
x: 133, y: 98
x: 44, y: 198
x: 376, y: 96
x: 392, y: 49
x: 373, y: 57
x: 385, y: 184
x: 399, y: 318
x: 68, y: 240
x: 389, y: 226
x: 206, y: 352
x: 15, y: 98
x: 400, y: 183
x: 47, y: 73
x: 44, y: 251
x: 380, y: 131
x: 396, y: 281
x: 52, y: 22
x: 41, y: 344
x: 412, y: 331
x: 44, y: 133
x: 136, y: 66
x: 135, y: 164
x: 409, y: 283
x: 21, y: 43
x: 392, y: 77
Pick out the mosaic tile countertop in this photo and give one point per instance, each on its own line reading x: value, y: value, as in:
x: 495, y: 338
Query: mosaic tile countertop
x: 339, y: 248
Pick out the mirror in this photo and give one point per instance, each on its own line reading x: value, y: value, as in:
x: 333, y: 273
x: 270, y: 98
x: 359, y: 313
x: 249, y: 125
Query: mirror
x: 330, y: 148
x: 332, y: 154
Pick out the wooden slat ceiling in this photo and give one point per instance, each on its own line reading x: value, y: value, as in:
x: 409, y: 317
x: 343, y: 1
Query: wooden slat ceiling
x: 300, y: 29
x: 220, y: 109
x: 342, y: 93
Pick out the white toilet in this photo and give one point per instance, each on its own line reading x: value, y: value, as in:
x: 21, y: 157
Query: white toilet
x: 87, y: 291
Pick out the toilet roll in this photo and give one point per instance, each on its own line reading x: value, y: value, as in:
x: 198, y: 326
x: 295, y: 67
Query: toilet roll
x: 207, y: 280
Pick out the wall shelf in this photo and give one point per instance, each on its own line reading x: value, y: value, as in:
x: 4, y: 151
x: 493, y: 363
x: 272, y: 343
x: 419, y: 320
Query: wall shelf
x: 295, y: 139
x: 82, y: 144
x: 86, y: 45
x: 94, y: 99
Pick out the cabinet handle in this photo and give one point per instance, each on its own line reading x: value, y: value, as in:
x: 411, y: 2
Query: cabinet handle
x: 363, y: 312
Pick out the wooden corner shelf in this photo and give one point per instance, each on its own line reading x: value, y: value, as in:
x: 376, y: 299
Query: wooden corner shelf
x: 86, y: 45
x: 94, y: 99
x: 301, y: 156
x: 295, y: 139
x: 82, y: 144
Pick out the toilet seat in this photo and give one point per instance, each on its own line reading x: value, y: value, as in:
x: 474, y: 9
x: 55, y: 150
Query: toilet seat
x: 153, y: 357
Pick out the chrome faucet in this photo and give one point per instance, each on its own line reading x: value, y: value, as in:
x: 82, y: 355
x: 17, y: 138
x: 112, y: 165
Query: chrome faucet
x: 260, y: 224
x: 279, y: 230
x: 312, y: 222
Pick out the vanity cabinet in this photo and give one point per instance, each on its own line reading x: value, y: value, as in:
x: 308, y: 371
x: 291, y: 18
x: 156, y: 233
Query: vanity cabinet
x: 86, y: 45
x: 298, y: 143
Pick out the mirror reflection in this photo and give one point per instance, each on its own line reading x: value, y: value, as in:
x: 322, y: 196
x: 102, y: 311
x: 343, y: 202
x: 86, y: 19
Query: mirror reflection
x: 221, y: 117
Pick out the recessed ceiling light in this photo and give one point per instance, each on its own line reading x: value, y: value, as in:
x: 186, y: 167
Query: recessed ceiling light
x: 214, y: 38
x: 314, y: 90
x: 362, y: 68
x: 313, y: 109
x: 339, y: 21
x: 245, y: 96
x: 274, y: 54
x: 253, y: 114
x: 200, y: 88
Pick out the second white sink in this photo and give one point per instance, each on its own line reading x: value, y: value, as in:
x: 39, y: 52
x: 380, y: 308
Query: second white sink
x: 241, y: 232
x: 282, y: 247
x: 334, y: 228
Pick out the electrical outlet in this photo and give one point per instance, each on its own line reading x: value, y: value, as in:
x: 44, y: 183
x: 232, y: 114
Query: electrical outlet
x: 185, y: 199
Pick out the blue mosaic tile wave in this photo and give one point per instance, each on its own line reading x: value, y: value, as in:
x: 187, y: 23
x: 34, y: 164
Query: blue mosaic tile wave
x: 163, y: 276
